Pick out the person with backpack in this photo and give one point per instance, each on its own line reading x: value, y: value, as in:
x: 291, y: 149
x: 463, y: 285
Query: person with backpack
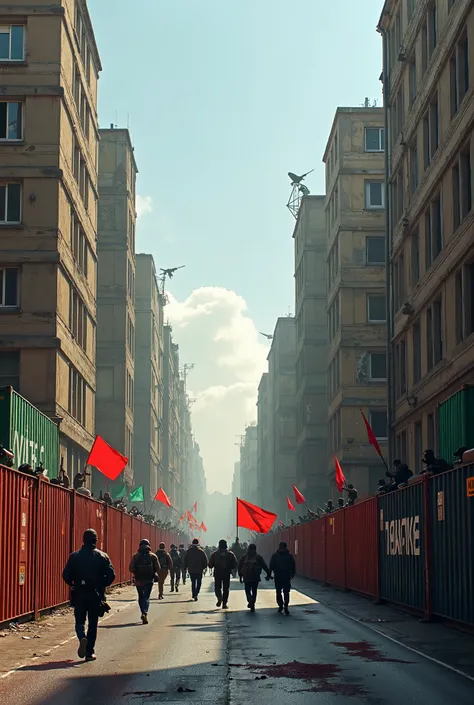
x: 175, y: 572
x: 224, y: 564
x: 195, y: 562
x: 283, y: 567
x: 182, y: 553
x: 250, y: 568
x: 144, y: 566
x: 165, y: 566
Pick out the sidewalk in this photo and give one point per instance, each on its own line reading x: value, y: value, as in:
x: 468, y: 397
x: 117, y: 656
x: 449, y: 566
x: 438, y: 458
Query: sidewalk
x: 435, y: 640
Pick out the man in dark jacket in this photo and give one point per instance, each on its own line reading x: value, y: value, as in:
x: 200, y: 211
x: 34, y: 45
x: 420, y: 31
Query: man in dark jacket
x: 165, y: 563
x: 224, y: 564
x: 195, y: 562
x: 250, y: 568
x: 175, y: 572
x: 88, y: 572
x: 283, y: 567
x: 182, y: 553
x: 144, y: 566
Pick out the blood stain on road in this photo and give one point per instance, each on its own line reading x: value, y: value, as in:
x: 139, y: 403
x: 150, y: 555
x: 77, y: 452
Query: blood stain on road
x: 366, y: 651
x: 326, y: 631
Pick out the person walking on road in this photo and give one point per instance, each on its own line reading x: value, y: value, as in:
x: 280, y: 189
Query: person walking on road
x: 175, y: 573
x: 165, y: 565
x: 88, y: 572
x: 224, y: 563
x: 182, y: 553
x: 283, y: 567
x: 144, y: 566
x: 250, y: 569
x: 195, y: 562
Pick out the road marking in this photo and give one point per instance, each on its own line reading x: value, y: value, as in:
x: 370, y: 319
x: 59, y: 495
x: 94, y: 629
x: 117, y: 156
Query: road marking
x: 62, y: 643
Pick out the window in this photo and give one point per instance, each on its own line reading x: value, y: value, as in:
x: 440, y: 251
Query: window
x: 411, y: 6
x: 378, y: 423
x: 459, y: 306
x: 402, y: 446
x: 11, y: 126
x: 415, y: 258
x: 374, y: 139
x: 333, y: 263
x: 77, y: 396
x: 431, y: 131
x: 130, y: 391
x: 424, y: 48
x: 434, y: 334
x: 432, y: 26
x: 130, y: 336
x: 433, y: 232
x: 333, y: 319
x: 431, y: 434
x: 416, y: 352
x: 374, y: 194
x: 464, y: 302
x: 10, y: 369
x: 10, y: 203
x: 413, y: 167
x: 376, y: 310
x: 78, y: 319
x: 9, y: 285
x: 412, y: 80
x: 12, y: 44
x: 459, y: 74
x: 375, y: 249
x: 79, y: 244
x: 399, y: 285
x: 418, y: 446
x: 378, y: 367
x: 400, y: 368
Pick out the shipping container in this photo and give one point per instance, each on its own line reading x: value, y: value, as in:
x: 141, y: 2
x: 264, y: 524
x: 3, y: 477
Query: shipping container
x: 361, y: 547
x: 451, y: 500
x: 455, y: 419
x: 402, y: 555
x: 31, y: 436
x: 335, y: 570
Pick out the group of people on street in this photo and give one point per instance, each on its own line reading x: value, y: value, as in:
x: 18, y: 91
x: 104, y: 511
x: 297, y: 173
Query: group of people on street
x: 89, y: 572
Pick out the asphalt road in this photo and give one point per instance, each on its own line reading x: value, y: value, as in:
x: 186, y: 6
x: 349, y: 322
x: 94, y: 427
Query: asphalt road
x: 195, y: 653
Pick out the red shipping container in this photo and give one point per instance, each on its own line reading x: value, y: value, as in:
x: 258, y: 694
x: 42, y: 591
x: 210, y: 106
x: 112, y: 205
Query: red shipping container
x: 361, y: 547
x: 335, y: 550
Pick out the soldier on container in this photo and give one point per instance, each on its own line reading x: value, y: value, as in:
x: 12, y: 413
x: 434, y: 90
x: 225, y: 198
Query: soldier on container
x: 88, y: 572
x: 400, y: 475
x: 283, y: 567
x: 434, y: 465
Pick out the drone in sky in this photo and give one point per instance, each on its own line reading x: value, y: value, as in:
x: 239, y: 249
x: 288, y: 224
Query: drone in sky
x: 170, y: 272
x: 268, y: 336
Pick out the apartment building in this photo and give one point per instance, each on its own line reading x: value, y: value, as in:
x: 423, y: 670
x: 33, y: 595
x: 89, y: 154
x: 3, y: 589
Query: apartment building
x: 48, y: 215
x: 311, y: 348
x: 185, y: 499
x: 248, y: 464
x: 356, y: 305
x: 265, y: 443
x: 116, y: 297
x: 171, y: 441
x: 428, y: 84
x: 149, y: 389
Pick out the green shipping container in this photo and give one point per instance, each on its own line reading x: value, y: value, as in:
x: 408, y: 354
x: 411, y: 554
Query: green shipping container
x: 28, y: 433
x: 456, y: 423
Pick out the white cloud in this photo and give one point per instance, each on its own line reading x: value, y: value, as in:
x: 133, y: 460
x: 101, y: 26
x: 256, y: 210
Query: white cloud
x: 144, y: 205
x: 215, y: 333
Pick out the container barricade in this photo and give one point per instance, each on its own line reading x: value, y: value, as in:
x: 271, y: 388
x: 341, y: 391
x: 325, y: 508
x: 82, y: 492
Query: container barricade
x: 335, y: 573
x: 451, y: 512
x: 402, y: 555
x: 114, y: 544
x: 361, y: 547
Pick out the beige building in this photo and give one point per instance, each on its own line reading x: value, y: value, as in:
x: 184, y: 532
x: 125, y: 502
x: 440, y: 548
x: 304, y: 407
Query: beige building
x: 116, y: 296
x: 428, y: 80
x: 48, y: 214
x: 265, y: 434
x: 357, y: 369
x: 248, y: 465
x: 172, y: 483
x: 311, y: 349
x: 149, y: 390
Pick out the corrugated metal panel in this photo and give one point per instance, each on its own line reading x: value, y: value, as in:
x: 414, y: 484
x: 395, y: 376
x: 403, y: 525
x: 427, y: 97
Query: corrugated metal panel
x: 361, y: 547
x: 18, y: 497
x: 456, y: 422
x: 114, y: 546
x: 452, y: 544
x: 30, y: 435
x: 335, y: 551
x: 402, y: 547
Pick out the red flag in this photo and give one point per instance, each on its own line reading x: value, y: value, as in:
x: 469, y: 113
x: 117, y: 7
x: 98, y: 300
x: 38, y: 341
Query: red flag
x: 195, y: 507
x: 298, y: 496
x: 340, y: 479
x: 289, y: 504
x: 161, y: 496
x: 371, y: 435
x: 106, y: 459
x: 254, y: 518
x: 203, y: 526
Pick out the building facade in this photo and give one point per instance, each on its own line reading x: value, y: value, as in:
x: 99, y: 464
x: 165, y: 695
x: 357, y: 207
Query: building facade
x: 171, y: 441
x: 264, y: 494
x: 356, y: 306
x: 48, y: 215
x: 428, y: 87
x: 248, y: 472
x: 311, y: 349
x: 149, y: 389
x: 116, y: 297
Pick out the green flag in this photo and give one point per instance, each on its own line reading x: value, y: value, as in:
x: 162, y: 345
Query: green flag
x: 120, y: 494
x: 137, y: 495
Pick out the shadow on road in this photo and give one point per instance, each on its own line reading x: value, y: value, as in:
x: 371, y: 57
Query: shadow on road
x: 51, y: 665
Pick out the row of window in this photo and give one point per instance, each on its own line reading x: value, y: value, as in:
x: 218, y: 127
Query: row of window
x: 376, y: 312
x: 11, y: 121
x: 130, y: 332
x: 374, y: 141
x: 374, y: 256
x: 81, y: 173
x: 376, y: 371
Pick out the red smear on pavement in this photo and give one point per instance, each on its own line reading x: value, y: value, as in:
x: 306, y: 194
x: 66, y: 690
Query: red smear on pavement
x: 326, y: 631
x: 366, y: 651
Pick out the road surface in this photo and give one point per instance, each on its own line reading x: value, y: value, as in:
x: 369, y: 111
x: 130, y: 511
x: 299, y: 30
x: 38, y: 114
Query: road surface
x: 195, y: 653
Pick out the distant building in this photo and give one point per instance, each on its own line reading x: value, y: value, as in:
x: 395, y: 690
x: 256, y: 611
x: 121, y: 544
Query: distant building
x: 265, y: 433
x: 116, y: 297
x: 430, y: 103
x: 48, y: 216
x: 149, y: 428
x: 171, y: 442
x: 357, y: 362
x: 311, y: 349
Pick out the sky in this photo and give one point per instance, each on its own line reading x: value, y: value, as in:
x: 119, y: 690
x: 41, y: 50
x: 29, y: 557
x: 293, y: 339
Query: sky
x: 222, y: 99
